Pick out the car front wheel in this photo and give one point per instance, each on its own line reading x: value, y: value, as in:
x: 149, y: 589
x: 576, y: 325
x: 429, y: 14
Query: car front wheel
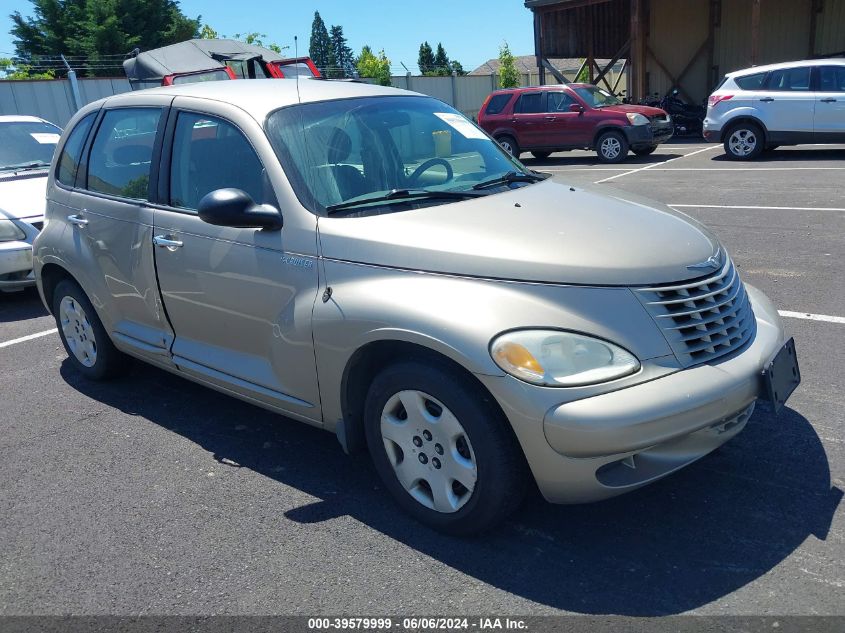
x: 442, y: 449
x: 85, y: 339
x: 612, y: 147
x: 744, y: 142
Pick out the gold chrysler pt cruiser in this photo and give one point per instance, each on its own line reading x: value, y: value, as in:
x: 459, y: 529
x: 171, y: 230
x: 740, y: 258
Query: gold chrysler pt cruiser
x: 367, y: 260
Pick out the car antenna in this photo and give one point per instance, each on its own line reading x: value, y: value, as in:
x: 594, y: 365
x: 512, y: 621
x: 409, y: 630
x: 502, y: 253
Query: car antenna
x: 296, y: 54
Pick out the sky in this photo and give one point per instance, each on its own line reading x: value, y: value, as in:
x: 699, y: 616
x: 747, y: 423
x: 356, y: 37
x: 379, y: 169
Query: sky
x: 471, y: 30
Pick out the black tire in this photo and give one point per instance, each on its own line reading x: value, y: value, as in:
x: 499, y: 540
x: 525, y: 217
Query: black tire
x: 108, y: 362
x: 607, y: 142
x: 509, y: 144
x: 744, y: 141
x: 502, y: 473
x: 541, y: 155
x: 645, y: 151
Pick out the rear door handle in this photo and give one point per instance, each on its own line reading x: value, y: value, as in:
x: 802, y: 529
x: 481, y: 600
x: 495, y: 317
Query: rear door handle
x: 767, y: 99
x: 165, y: 242
x: 77, y: 220
x: 828, y: 100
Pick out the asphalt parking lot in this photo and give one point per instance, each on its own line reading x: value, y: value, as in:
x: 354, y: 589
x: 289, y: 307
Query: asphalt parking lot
x: 152, y: 495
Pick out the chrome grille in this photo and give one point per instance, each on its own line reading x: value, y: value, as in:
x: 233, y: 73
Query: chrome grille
x: 704, y: 318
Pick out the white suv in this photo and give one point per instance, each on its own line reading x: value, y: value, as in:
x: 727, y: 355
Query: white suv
x: 760, y: 108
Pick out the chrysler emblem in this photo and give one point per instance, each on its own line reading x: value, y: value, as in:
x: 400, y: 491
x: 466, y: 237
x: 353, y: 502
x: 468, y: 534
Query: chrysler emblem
x: 714, y: 261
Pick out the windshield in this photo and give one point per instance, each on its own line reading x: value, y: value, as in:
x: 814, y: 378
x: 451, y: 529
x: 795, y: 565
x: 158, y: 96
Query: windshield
x: 363, y: 149
x: 596, y: 97
x: 27, y: 144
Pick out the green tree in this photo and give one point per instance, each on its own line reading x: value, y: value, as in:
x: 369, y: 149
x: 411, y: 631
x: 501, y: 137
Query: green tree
x: 425, y: 60
x: 208, y: 33
x: 508, y: 77
x: 583, y: 76
x: 457, y: 68
x: 343, y: 56
x: 376, y: 67
x: 441, y: 61
x: 320, y: 46
x: 10, y: 69
x: 100, y: 32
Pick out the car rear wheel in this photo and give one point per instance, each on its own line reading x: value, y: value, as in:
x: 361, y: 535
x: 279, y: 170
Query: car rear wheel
x: 510, y: 145
x: 645, y: 151
x: 88, y: 346
x: 744, y: 141
x: 612, y: 147
x: 541, y: 155
x: 442, y: 449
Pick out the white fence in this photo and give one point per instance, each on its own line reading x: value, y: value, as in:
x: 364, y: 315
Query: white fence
x: 52, y: 99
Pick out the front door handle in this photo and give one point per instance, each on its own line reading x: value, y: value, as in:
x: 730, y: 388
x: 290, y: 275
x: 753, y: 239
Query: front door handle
x: 550, y: 118
x: 767, y: 99
x: 828, y: 100
x: 77, y: 220
x: 164, y: 241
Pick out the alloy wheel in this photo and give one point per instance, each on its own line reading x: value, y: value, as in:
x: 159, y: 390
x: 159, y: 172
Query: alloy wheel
x: 742, y: 142
x: 611, y: 147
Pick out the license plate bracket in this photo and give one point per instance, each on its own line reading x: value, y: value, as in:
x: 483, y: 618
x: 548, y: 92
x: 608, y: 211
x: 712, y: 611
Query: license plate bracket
x: 781, y: 375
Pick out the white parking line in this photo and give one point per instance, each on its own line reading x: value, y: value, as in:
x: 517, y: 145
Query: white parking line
x: 811, y: 317
x: 29, y: 337
x: 737, y: 206
x: 652, y: 165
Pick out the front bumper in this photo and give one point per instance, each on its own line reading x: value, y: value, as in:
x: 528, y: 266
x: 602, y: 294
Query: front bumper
x: 605, y: 445
x: 16, y: 266
x: 642, y: 136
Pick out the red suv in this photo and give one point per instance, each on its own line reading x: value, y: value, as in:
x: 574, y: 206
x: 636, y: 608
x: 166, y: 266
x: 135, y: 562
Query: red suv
x: 548, y: 119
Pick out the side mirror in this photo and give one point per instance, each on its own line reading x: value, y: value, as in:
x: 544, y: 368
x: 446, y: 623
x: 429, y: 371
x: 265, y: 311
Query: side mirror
x: 235, y: 208
x: 576, y: 107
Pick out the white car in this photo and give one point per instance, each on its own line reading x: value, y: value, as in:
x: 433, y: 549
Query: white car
x: 27, y: 144
x: 760, y: 108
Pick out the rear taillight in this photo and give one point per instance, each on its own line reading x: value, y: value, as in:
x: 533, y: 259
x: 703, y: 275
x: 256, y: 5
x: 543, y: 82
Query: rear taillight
x: 715, y: 100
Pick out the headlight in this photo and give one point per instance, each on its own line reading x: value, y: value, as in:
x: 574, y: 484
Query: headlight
x: 635, y: 118
x: 560, y: 359
x: 9, y: 231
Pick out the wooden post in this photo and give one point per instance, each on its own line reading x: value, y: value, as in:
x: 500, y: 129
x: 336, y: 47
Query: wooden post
x: 590, y: 46
x: 755, y: 32
x: 638, y: 56
x: 538, y: 46
x: 816, y: 7
x: 714, y: 18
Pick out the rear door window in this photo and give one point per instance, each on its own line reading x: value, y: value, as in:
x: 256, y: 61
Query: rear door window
x: 789, y: 79
x: 497, y: 103
x: 529, y: 103
x: 119, y: 163
x: 208, y: 154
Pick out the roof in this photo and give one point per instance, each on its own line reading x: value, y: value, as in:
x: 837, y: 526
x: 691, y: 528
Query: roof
x: 259, y: 97
x: 528, y: 64
x: 191, y: 56
x: 21, y: 118
x: 824, y: 61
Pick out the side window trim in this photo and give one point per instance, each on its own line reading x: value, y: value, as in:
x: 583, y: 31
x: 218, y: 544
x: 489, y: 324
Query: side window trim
x: 518, y: 103
x: 82, y: 174
x: 58, y: 166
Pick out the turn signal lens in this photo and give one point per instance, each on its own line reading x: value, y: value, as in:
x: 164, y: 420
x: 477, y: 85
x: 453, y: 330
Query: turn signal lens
x: 518, y: 360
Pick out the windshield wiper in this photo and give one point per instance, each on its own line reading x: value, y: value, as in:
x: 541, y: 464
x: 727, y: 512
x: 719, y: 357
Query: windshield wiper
x: 33, y: 164
x: 404, y: 194
x: 508, y: 178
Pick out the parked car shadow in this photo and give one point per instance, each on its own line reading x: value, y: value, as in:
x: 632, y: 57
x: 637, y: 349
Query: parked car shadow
x: 20, y: 306
x: 671, y: 547
x: 791, y: 154
x: 561, y: 159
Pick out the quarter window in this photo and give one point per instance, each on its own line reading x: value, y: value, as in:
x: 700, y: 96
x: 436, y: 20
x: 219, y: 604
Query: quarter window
x: 120, y: 158
x: 832, y: 79
x: 750, y: 82
x: 72, y: 151
x: 530, y: 103
x: 209, y: 154
x: 792, y: 79
x: 497, y: 103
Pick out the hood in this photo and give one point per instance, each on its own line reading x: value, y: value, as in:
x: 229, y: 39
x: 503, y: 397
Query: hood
x: 546, y: 232
x: 640, y: 109
x: 23, y: 195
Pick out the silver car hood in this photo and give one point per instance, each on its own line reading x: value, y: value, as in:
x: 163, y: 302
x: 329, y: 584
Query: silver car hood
x: 23, y: 195
x: 547, y: 232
